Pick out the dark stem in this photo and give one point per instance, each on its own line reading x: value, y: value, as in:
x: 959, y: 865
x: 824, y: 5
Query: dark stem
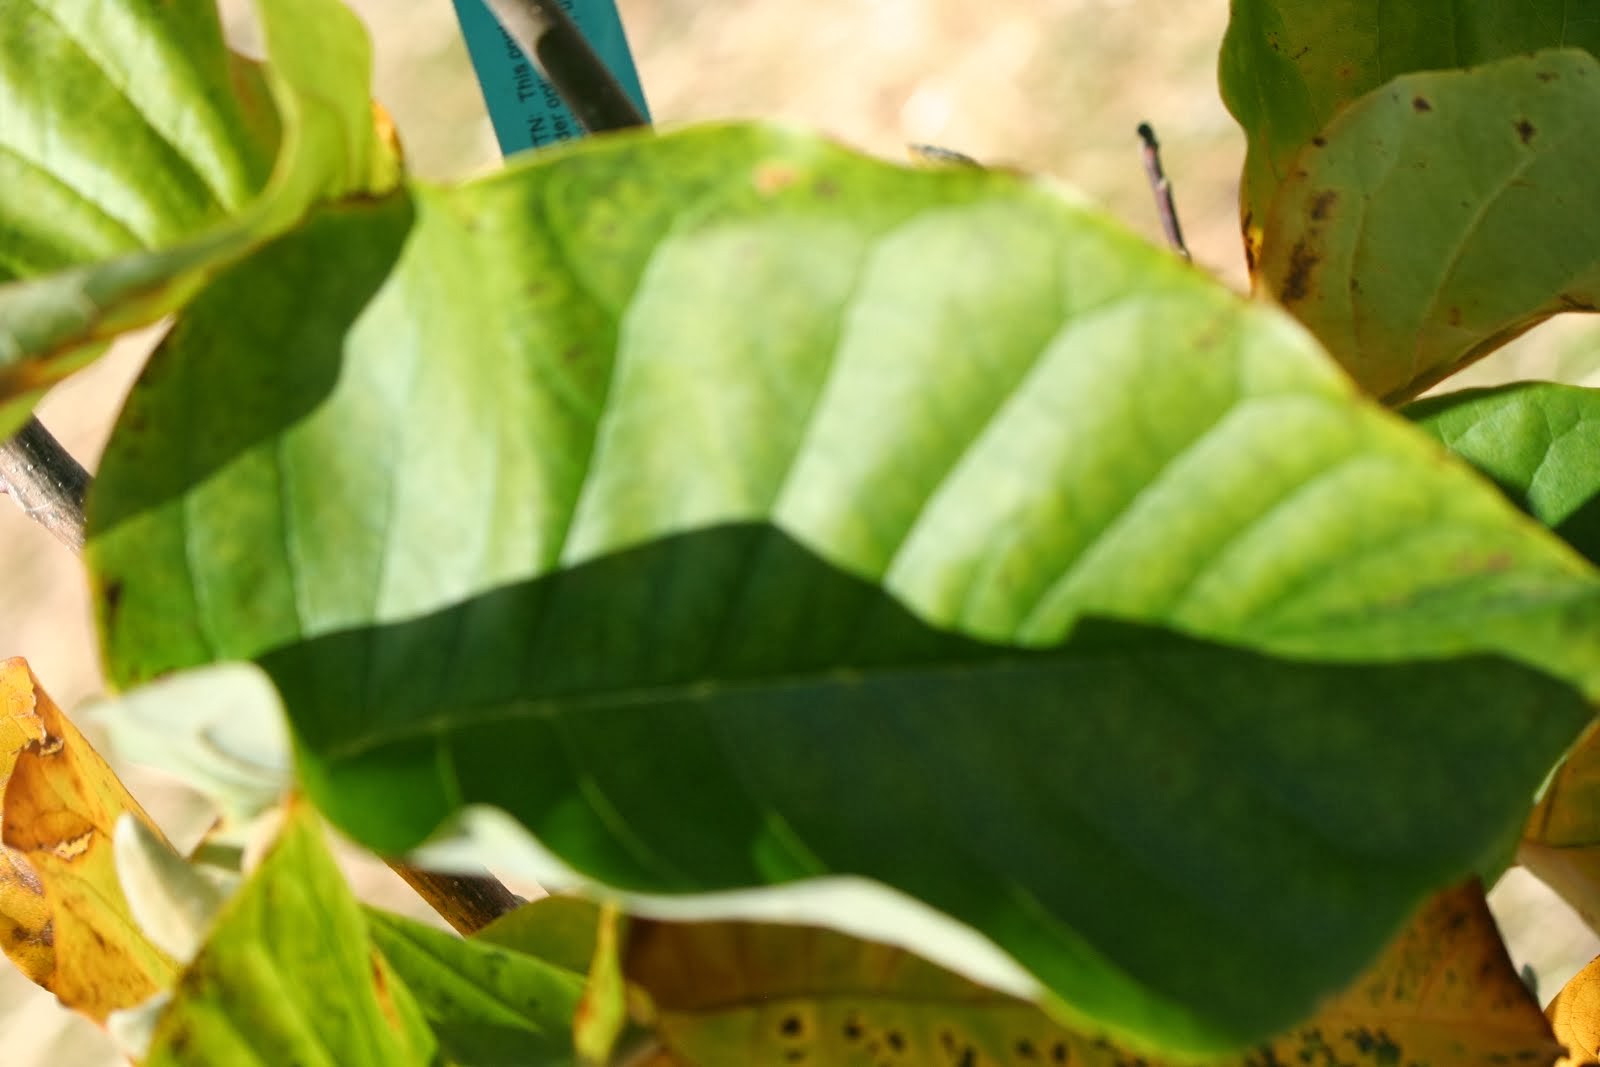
x: 50, y: 486
x: 467, y: 902
x: 45, y: 481
x: 1162, y: 188
x: 548, y: 36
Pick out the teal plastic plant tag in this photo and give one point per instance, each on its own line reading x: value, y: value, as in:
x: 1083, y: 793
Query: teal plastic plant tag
x: 524, y: 108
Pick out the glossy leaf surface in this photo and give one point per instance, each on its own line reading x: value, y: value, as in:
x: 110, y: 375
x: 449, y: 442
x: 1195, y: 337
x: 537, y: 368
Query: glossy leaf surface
x: 708, y: 501
x: 1539, y: 441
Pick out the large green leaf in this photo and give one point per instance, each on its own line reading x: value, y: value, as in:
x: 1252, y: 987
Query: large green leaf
x: 485, y: 1004
x: 1438, y: 218
x: 721, y: 506
x: 134, y: 149
x: 1540, y: 442
x: 289, y: 975
x: 1289, y: 66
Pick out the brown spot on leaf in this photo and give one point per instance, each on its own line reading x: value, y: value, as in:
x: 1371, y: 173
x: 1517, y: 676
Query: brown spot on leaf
x: 1546, y: 75
x: 1455, y: 316
x: 1320, y: 141
x: 1420, y: 104
x: 1323, y: 203
x: 1303, y: 263
x: 112, y: 596
x: 772, y: 177
x: 1526, y: 131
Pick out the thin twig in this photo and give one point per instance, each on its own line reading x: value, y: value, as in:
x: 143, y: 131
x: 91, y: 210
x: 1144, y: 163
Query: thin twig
x: 1162, y: 188
x: 548, y: 36
x: 45, y: 481
x: 42, y: 477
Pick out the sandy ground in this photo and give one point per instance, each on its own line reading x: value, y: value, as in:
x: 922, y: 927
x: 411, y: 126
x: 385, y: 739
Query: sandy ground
x: 1054, y: 86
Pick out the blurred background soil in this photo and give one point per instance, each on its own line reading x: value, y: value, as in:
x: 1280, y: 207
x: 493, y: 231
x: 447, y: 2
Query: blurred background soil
x: 1052, y: 86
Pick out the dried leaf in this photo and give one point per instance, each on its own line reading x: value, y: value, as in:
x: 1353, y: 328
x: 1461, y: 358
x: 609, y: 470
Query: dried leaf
x: 1562, y: 841
x: 61, y: 808
x: 1443, y: 993
x: 1575, y: 1016
x: 25, y: 932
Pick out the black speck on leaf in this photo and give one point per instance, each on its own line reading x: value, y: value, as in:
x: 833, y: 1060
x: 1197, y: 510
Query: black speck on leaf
x: 1303, y: 262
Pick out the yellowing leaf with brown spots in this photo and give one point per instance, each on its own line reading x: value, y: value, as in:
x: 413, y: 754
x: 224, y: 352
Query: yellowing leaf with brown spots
x: 25, y: 933
x: 1443, y: 993
x: 67, y: 924
x: 1575, y: 1016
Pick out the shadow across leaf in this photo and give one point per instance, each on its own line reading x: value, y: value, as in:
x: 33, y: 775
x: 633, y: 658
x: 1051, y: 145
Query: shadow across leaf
x: 725, y: 709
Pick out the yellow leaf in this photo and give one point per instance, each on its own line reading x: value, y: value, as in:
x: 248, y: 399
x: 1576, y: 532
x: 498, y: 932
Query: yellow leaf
x: 61, y: 808
x: 602, y: 1012
x: 25, y: 933
x: 1443, y: 993
x: 1575, y: 1016
x: 1561, y: 843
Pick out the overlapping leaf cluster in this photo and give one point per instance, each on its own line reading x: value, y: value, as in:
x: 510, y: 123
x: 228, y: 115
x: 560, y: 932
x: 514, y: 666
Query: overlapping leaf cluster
x: 740, y: 515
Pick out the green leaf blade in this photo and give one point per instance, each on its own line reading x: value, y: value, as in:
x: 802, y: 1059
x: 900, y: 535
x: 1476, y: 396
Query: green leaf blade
x: 1288, y: 67
x: 1405, y: 240
x: 733, y: 513
x: 134, y: 114
x: 1538, y: 441
x: 486, y: 1005
x: 146, y: 156
x: 288, y: 975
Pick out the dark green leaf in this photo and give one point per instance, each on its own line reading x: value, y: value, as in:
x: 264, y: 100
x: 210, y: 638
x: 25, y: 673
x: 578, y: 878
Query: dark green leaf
x: 1442, y: 216
x: 1290, y: 66
x: 1540, y: 442
x: 722, y: 505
